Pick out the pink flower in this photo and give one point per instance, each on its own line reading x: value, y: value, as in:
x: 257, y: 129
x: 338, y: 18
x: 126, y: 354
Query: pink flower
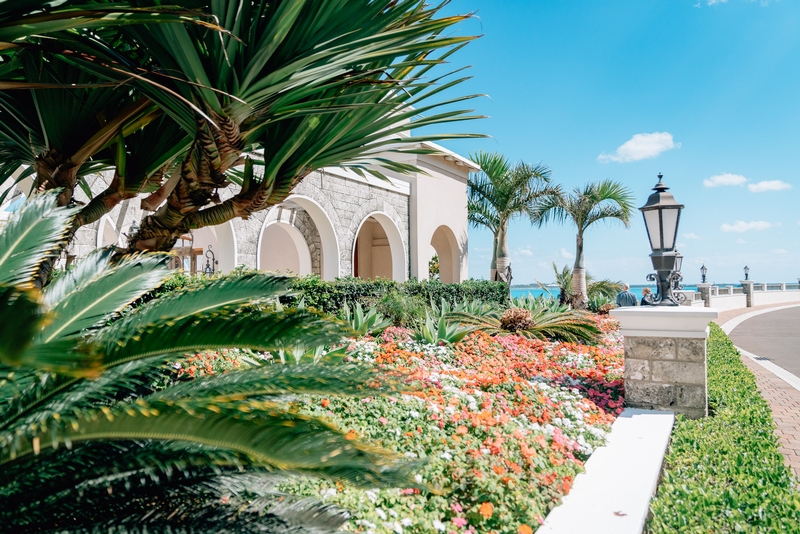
x: 459, y: 522
x: 383, y: 420
x: 456, y: 507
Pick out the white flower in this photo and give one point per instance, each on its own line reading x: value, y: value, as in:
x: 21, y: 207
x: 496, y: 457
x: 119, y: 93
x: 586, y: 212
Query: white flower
x: 438, y: 525
x: 447, y: 456
x: 398, y: 528
x: 372, y: 495
x: 450, y: 410
x: 406, y: 522
x: 486, y: 451
x: 418, y: 479
x: 392, y: 513
x: 411, y: 455
x: 413, y: 413
x: 330, y: 492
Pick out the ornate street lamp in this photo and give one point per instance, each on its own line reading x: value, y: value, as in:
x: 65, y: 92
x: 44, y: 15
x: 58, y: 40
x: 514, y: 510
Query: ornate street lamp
x: 211, y: 262
x: 746, y: 272
x: 703, y: 271
x: 661, y: 218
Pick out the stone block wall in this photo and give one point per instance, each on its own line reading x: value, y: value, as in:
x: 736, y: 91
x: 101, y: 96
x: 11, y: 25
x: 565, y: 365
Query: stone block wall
x: 666, y: 373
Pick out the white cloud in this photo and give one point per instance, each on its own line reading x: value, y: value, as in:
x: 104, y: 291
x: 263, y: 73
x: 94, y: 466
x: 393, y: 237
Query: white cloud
x: 641, y: 146
x: 567, y: 254
x: 724, y: 179
x: 779, y: 250
x: 741, y: 226
x: 524, y: 252
x: 768, y: 185
x: 741, y: 241
x: 692, y: 236
x: 714, y: 2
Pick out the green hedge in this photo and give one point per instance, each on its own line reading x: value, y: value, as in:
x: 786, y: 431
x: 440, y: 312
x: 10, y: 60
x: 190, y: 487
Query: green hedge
x: 724, y: 473
x: 330, y: 296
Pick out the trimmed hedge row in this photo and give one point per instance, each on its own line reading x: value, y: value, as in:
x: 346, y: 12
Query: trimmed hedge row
x: 724, y: 473
x: 330, y: 296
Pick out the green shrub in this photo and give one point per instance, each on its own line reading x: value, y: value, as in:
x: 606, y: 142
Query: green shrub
x: 724, y: 473
x: 401, y: 309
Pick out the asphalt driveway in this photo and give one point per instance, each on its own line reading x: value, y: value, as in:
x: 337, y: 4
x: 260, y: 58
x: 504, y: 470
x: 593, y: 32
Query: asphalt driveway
x: 774, y: 335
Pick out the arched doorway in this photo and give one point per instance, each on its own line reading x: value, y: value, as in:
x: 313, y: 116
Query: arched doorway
x: 445, y: 244
x: 329, y: 242
x: 193, y: 247
x: 106, y: 233
x: 283, y: 248
x: 378, y: 249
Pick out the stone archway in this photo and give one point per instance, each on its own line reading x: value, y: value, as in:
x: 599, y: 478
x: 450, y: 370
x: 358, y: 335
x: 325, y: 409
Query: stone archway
x: 281, y: 247
x: 329, y: 241
x: 445, y: 244
x: 106, y: 233
x: 378, y: 249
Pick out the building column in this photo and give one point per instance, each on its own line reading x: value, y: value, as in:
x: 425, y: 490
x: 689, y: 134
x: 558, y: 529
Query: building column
x: 665, y: 358
x: 705, y: 292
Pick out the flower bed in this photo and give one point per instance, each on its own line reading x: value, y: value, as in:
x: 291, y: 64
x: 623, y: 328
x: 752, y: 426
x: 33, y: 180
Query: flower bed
x: 503, y: 426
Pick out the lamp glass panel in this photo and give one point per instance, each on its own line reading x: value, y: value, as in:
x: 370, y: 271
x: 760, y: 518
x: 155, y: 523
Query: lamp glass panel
x: 678, y: 263
x: 669, y: 218
x: 653, y: 228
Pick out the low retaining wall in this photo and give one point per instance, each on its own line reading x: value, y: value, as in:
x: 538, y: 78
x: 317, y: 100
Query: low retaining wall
x: 747, y: 295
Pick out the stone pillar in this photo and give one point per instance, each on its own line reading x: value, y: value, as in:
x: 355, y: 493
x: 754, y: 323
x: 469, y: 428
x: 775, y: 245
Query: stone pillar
x: 705, y: 292
x: 747, y: 289
x: 665, y: 358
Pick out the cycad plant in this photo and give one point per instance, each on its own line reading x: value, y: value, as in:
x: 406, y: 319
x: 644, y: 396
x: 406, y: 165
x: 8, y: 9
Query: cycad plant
x: 93, y: 438
x: 501, y: 192
x: 606, y: 200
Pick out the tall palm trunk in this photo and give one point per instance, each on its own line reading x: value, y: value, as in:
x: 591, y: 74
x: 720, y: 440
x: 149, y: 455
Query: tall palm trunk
x: 503, y: 261
x: 580, y: 293
x: 493, y: 264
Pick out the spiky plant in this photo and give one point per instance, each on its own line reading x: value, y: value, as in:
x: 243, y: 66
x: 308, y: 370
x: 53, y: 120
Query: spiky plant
x: 363, y: 323
x: 536, y: 323
x: 91, y: 438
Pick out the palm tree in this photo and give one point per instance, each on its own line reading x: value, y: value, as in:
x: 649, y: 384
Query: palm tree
x: 594, y: 288
x: 501, y: 192
x: 93, y: 434
x: 296, y: 85
x: 602, y: 201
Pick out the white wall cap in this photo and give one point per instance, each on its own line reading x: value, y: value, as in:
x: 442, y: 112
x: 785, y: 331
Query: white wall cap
x: 663, y: 321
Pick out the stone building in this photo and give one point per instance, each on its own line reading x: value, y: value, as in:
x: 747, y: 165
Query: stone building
x: 335, y: 223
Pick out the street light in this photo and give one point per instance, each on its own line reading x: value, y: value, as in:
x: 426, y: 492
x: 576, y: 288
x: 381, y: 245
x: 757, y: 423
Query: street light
x: 211, y: 262
x: 746, y: 272
x: 661, y: 218
x: 703, y: 272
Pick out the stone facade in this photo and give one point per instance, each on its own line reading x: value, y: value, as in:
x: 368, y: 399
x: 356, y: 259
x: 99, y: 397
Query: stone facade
x: 666, y: 374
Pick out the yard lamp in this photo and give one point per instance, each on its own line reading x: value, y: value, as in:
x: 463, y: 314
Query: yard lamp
x: 703, y: 271
x: 746, y: 272
x: 211, y: 262
x: 661, y: 218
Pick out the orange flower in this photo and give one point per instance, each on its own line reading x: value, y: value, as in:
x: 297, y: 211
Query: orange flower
x: 325, y: 403
x: 486, y: 510
x: 525, y: 529
x: 461, y: 430
x: 351, y: 435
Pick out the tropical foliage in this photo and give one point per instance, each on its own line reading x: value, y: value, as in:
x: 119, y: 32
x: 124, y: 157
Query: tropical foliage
x: 181, y: 102
x: 504, y: 424
x: 93, y: 436
x: 370, y: 322
x: 501, y: 192
x: 606, y: 200
x: 595, y: 289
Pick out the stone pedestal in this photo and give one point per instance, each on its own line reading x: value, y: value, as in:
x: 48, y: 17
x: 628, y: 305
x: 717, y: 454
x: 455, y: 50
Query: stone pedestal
x: 665, y: 358
x: 705, y: 293
x: 747, y: 289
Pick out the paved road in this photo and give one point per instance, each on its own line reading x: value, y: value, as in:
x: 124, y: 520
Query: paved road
x: 774, y: 335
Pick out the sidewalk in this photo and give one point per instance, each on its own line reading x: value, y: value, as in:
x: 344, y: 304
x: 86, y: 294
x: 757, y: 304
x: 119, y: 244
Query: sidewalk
x: 783, y: 398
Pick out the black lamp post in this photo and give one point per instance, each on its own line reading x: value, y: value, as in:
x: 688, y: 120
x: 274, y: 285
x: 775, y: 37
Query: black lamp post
x: 703, y: 271
x: 661, y: 218
x: 211, y: 262
x: 746, y: 272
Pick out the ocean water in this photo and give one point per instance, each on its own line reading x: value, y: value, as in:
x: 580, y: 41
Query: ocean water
x: 536, y: 291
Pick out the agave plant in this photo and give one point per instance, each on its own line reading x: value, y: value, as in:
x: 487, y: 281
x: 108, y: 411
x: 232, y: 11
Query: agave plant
x: 535, y: 323
x: 529, y: 302
x: 91, y: 436
x: 437, y: 331
x: 371, y: 322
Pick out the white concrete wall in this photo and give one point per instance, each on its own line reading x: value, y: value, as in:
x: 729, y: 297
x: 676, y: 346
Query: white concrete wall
x: 761, y: 298
x: 729, y: 302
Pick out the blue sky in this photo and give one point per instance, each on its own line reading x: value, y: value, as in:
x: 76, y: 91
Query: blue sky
x: 706, y: 92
